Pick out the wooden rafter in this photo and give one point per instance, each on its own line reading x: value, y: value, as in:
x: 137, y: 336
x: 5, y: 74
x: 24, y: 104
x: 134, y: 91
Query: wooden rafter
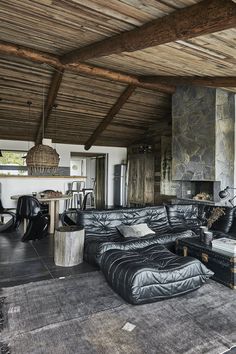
x: 52, y: 95
x: 110, y: 115
x: 207, y: 16
x: 208, y: 81
x: 53, y: 60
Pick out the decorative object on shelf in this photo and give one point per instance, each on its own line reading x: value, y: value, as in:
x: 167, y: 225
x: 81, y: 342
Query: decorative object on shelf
x: 202, y: 196
x: 202, y: 230
x: 208, y: 237
x: 42, y: 159
x: 144, y: 149
x: 225, y: 194
x: 216, y: 213
x: 141, y: 149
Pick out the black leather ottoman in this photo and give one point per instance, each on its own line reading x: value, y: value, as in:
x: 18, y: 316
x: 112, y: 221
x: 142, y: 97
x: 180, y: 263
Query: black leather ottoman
x: 152, y: 273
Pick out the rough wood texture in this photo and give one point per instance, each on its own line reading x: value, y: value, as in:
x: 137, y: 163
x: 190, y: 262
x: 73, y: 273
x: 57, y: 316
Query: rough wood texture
x: 141, y: 179
x: 43, y: 31
x: 91, y: 70
x: 52, y: 95
x: 109, y: 117
x: 69, y: 247
x: 206, y: 17
x: 209, y: 81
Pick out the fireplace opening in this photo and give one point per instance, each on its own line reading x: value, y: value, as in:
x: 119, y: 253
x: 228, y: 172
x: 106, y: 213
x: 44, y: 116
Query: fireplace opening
x: 199, y: 190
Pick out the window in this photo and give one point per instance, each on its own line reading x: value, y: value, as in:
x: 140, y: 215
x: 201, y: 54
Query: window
x: 13, y: 163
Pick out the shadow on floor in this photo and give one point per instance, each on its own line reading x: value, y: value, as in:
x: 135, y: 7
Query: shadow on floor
x: 22, y: 263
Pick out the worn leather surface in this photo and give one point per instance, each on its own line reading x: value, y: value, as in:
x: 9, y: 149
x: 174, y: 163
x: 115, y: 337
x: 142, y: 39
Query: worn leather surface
x: 151, y: 273
x: 101, y: 226
x: 100, y: 222
x: 95, y: 247
x: 183, y: 215
x: 225, y: 222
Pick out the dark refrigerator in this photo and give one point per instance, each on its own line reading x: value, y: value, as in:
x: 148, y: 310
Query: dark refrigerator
x: 120, y: 185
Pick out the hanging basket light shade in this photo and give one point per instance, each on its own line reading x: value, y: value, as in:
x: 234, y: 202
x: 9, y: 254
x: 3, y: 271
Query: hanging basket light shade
x: 42, y: 159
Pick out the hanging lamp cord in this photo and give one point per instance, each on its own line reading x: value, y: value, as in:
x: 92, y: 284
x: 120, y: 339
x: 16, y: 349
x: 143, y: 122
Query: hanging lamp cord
x: 29, y: 103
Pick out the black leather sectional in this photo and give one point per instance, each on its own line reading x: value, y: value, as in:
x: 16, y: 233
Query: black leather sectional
x: 146, y: 269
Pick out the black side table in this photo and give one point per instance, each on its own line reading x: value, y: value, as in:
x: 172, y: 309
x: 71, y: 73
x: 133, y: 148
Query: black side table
x: 222, y: 264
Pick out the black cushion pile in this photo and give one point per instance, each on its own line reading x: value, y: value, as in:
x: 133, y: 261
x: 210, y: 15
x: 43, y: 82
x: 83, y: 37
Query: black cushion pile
x: 146, y: 269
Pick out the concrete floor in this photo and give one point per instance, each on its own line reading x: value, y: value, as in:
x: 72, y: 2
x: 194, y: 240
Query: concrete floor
x: 22, y: 263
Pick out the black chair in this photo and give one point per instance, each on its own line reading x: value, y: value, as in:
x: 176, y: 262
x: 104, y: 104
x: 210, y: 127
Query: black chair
x: 10, y: 225
x: 88, y: 199
x: 29, y: 208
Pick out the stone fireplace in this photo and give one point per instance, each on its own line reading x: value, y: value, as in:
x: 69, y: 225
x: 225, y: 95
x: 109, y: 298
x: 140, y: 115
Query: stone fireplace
x: 203, y: 140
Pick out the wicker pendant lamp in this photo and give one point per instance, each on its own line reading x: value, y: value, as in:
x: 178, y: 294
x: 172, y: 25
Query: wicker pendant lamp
x: 42, y: 159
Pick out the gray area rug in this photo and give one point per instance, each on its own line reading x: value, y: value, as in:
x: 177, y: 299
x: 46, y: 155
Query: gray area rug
x: 83, y: 315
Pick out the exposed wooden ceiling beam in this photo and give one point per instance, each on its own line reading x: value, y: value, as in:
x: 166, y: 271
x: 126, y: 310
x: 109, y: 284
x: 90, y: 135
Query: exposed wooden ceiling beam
x: 52, y: 95
x: 208, y: 81
x: 80, y: 68
x: 205, y: 17
x: 110, y: 115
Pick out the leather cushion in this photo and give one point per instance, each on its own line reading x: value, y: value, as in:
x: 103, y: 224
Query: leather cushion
x: 183, y: 216
x: 105, y: 222
x: 225, y: 222
x: 152, y: 273
x: 96, y: 246
x: 157, y: 219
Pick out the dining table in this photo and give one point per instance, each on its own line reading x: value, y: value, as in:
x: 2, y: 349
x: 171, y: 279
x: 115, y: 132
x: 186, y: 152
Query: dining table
x: 54, y: 207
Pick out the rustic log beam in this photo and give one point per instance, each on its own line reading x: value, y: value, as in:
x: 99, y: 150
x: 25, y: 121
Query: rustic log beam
x: 52, y: 95
x: 205, y: 17
x: 80, y: 68
x: 208, y: 81
x: 110, y: 115
x: 29, y: 54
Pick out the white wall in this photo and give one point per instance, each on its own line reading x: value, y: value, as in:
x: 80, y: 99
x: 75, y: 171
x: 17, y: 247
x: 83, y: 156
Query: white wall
x: 115, y: 156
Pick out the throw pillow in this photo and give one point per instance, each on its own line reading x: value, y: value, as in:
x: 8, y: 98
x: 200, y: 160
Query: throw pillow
x: 138, y: 230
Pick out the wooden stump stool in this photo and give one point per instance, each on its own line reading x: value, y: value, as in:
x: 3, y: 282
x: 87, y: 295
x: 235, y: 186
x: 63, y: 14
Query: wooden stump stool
x: 68, y: 246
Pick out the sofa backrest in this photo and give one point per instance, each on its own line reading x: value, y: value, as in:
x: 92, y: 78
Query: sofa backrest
x: 157, y: 219
x: 184, y: 215
x: 104, y: 222
x: 160, y: 219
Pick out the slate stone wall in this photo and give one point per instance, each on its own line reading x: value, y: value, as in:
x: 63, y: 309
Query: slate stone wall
x: 225, y: 135
x: 203, y: 146
x: 193, y: 143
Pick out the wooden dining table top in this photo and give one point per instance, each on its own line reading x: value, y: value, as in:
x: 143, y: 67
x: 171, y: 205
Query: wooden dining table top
x: 45, y: 198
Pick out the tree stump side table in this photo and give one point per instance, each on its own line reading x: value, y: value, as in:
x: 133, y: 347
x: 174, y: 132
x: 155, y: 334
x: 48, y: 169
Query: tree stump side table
x: 68, y: 246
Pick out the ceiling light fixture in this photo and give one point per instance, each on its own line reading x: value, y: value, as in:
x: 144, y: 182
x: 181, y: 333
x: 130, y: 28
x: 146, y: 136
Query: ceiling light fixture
x: 42, y: 159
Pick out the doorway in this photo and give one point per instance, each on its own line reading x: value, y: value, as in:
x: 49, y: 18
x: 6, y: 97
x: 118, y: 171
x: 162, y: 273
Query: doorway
x: 93, y: 166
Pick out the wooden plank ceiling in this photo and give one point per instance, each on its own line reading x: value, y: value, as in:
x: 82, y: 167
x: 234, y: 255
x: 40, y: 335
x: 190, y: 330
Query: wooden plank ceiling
x: 58, y: 27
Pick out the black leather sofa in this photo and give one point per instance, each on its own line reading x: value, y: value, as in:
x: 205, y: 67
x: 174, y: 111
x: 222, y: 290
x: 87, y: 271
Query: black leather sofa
x: 131, y: 264
x: 168, y: 221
